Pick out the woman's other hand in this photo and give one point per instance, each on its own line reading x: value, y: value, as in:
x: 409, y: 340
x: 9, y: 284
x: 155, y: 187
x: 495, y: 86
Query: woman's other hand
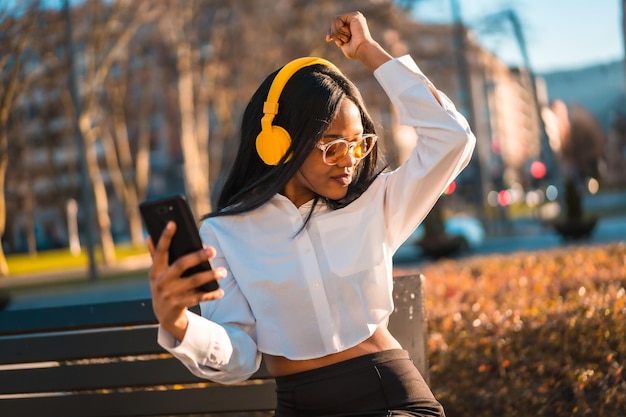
x: 350, y: 33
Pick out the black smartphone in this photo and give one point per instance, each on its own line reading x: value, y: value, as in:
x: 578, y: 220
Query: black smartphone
x: 157, y: 212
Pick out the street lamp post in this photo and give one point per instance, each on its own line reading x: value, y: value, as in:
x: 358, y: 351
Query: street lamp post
x: 547, y: 155
x: 467, y: 105
x: 86, y: 190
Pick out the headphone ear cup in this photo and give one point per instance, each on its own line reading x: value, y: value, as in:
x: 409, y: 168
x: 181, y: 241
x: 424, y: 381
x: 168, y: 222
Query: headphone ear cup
x: 272, y: 146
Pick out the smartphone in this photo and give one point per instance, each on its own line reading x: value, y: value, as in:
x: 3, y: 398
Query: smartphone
x: 157, y: 212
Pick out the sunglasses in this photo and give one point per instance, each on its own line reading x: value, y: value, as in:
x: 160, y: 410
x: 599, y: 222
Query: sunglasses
x: 335, y: 150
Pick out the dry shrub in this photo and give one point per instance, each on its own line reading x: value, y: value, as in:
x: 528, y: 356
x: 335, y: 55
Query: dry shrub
x: 530, y: 334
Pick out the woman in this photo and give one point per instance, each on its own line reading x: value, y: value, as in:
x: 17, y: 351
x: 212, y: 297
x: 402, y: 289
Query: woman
x: 303, y: 238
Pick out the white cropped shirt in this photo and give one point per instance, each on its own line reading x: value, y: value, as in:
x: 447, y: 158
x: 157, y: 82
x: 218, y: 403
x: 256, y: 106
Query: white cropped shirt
x: 326, y: 289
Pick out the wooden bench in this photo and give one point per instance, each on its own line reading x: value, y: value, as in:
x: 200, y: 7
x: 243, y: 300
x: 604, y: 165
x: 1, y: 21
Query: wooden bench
x: 102, y: 360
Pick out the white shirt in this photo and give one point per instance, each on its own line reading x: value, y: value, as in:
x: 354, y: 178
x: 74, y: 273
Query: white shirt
x: 326, y: 289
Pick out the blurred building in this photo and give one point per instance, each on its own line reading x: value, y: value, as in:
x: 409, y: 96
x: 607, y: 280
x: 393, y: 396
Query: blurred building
x: 44, y: 175
x: 497, y: 100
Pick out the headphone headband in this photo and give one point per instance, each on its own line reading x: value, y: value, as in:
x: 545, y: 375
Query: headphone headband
x: 273, y: 141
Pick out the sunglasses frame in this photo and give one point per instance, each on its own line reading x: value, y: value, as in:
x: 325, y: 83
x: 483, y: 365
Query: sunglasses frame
x: 350, y: 144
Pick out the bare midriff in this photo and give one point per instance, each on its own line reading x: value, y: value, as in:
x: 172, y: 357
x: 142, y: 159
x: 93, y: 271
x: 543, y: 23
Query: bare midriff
x: 381, y: 340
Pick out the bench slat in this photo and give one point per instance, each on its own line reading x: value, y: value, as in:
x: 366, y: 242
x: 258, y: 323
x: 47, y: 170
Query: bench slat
x: 78, y: 345
x: 96, y: 376
x: 93, y: 376
x: 219, y: 398
x: 112, y: 314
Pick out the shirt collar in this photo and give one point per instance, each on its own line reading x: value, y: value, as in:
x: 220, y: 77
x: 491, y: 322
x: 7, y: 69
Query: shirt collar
x: 305, y: 208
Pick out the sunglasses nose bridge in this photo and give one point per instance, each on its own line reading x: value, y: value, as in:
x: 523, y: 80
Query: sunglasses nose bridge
x: 349, y: 149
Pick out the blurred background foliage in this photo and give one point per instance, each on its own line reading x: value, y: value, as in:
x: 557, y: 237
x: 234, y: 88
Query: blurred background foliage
x: 530, y: 334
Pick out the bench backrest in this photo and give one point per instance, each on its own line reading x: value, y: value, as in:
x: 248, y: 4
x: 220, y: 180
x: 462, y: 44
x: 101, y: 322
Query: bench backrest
x: 103, y: 360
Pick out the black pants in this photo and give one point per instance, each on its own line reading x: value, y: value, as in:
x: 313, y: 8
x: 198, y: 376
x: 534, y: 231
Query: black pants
x: 378, y: 385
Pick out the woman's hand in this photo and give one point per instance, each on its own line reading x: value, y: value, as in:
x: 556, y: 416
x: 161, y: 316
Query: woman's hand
x: 351, y: 33
x: 171, y: 294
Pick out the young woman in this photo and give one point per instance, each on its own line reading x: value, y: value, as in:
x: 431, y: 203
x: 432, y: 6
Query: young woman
x: 303, y: 237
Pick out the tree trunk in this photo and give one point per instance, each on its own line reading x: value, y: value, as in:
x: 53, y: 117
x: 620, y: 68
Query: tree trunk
x: 99, y: 63
x: 202, y: 134
x: 29, y: 212
x: 142, y: 158
x: 99, y: 190
x: 196, y: 176
x: 8, y: 92
x: 120, y: 165
x: 4, y: 267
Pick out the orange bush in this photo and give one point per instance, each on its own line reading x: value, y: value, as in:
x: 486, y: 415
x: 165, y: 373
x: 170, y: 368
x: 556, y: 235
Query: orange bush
x: 529, y: 334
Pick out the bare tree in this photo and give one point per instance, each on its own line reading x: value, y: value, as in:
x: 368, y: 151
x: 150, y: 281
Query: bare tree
x: 15, y: 38
x: 129, y: 177
x: 207, y: 40
x: 106, y: 34
x: 177, y: 29
x: 585, y: 146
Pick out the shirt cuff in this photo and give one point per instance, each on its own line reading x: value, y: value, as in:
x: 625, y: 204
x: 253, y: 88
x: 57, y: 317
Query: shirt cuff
x: 206, y: 343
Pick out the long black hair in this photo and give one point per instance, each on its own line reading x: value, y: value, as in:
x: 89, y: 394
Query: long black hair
x: 307, y: 106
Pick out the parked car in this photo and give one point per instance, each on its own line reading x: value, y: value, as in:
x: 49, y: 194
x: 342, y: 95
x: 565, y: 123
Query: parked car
x: 470, y: 228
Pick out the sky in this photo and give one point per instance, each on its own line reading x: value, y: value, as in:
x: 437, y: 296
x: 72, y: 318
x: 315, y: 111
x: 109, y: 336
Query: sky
x: 560, y: 34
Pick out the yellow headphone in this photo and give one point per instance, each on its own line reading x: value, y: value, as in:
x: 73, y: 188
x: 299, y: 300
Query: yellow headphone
x: 273, y: 141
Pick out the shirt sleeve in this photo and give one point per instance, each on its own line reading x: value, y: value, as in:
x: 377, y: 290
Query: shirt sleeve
x: 220, y: 344
x: 444, y: 147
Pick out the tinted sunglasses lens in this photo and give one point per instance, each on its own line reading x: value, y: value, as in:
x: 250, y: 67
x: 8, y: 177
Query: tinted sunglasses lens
x: 364, y: 147
x: 336, y: 152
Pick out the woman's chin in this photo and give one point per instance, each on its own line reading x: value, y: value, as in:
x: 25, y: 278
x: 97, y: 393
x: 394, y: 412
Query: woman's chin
x: 336, y: 194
